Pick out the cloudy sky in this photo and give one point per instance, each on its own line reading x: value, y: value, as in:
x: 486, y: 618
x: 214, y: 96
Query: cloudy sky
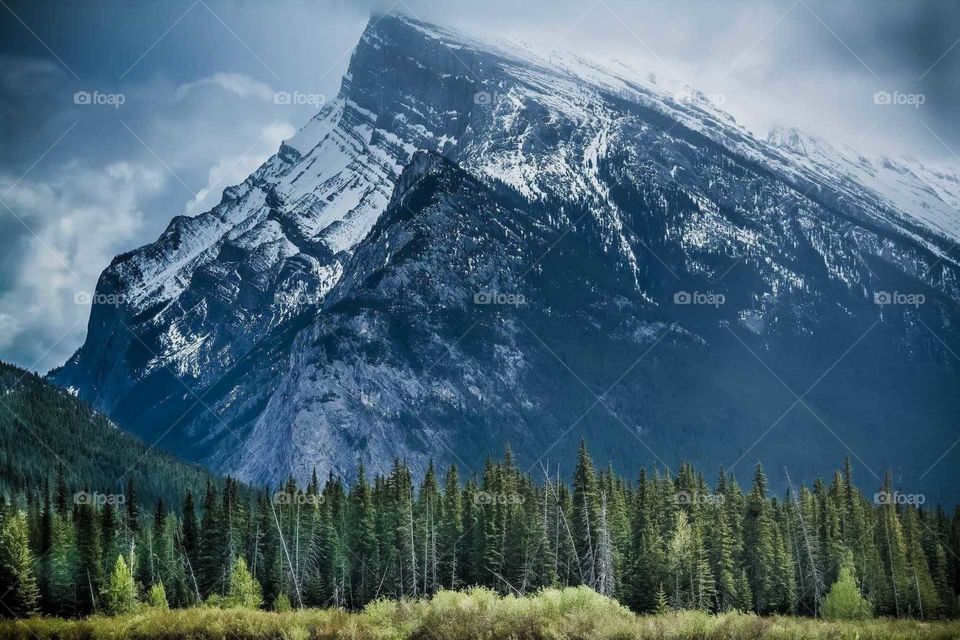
x: 116, y: 116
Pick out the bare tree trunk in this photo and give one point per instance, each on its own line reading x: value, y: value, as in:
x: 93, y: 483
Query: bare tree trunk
x: 818, y: 585
x: 413, y: 550
x: 893, y: 573
x: 283, y: 543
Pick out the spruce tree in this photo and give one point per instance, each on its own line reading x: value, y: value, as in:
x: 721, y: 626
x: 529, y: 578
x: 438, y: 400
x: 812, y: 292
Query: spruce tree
x: 759, y: 545
x: 244, y: 591
x: 62, y: 569
x: 19, y: 594
x: 586, y: 508
x: 132, y: 503
x: 157, y: 597
x: 365, y: 556
x: 893, y: 553
x: 211, y: 566
x: 844, y: 600
x: 90, y: 555
x: 452, y: 548
x: 721, y: 549
x: 119, y: 595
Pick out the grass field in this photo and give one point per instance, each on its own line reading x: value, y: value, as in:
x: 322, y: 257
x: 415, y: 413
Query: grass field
x: 569, y: 614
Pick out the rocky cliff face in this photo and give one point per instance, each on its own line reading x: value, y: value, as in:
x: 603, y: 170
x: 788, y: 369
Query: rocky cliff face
x: 473, y: 245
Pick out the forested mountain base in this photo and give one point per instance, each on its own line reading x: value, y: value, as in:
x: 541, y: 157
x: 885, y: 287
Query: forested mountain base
x: 665, y: 542
x: 43, y: 426
x: 574, y: 613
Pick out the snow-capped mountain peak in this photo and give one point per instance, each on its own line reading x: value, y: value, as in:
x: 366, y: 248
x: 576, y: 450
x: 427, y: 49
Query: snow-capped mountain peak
x: 402, y: 276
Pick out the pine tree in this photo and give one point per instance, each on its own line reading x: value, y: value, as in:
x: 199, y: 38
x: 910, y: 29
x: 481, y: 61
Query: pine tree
x: 452, y: 548
x: 784, y: 592
x: 606, y: 578
x: 211, y: 566
x: 648, y: 566
x: 759, y: 545
x: 662, y: 604
x: 844, y: 601
x: 244, y: 591
x: 62, y: 569
x: 109, y: 543
x: 90, y: 555
x: 921, y: 593
x: 133, y: 507
x: 721, y: 550
x: 62, y: 499
x: 19, y: 594
x: 586, y: 508
x: 191, y: 534
x: 893, y: 554
x: 119, y: 595
x: 157, y: 597
x: 365, y: 571
x: 704, y: 590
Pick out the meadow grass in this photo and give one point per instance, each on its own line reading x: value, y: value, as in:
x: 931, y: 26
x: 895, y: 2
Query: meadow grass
x: 478, y: 614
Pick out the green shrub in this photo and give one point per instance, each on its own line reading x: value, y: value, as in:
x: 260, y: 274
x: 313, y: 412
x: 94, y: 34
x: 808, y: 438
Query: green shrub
x: 479, y: 614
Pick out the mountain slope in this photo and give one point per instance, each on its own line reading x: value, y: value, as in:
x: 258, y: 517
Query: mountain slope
x: 44, y: 428
x: 324, y: 312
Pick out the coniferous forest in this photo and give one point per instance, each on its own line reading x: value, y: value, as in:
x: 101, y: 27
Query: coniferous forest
x: 658, y: 542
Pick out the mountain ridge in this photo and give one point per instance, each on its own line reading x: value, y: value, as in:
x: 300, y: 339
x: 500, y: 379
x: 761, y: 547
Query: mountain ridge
x: 622, y: 197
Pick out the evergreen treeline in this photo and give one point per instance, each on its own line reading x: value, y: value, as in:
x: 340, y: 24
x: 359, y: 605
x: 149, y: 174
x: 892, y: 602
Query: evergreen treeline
x: 42, y: 425
x: 661, y: 542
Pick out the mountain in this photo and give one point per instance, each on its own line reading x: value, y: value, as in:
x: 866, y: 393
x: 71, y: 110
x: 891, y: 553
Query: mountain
x: 44, y: 429
x: 473, y: 245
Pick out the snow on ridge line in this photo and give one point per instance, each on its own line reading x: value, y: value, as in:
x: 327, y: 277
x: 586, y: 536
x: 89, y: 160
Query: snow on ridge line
x: 928, y: 197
